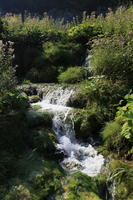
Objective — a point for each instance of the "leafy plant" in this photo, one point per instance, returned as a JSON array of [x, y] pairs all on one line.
[[7, 72], [125, 114], [112, 57], [72, 75]]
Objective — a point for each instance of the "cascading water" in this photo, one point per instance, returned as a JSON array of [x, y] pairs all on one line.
[[78, 156]]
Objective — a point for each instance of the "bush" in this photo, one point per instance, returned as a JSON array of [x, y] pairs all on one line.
[[62, 54], [118, 134], [72, 75], [113, 57], [82, 33], [87, 123], [14, 102], [125, 114], [111, 137], [47, 74], [104, 93], [7, 72]]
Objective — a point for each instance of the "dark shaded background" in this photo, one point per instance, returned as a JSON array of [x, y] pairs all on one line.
[[41, 6]]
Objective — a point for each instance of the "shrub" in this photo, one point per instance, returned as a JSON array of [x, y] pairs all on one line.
[[14, 102], [113, 57], [72, 75], [111, 137], [118, 134], [62, 54], [82, 33], [125, 114], [87, 123], [104, 93], [47, 74], [7, 72]]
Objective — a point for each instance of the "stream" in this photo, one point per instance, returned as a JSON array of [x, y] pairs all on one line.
[[78, 156]]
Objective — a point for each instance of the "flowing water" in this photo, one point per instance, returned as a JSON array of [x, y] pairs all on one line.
[[77, 156]]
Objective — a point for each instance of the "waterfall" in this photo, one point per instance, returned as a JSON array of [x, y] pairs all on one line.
[[77, 156], [87, 63]]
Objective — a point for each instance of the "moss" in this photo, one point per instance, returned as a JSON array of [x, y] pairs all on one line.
[[87, 122], [89, 196], [72, 75], [78, 186], [34, 99], [38, 118], [44, 141], [48, 180]]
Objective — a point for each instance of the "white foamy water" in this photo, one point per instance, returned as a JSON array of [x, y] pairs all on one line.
[[78, 156]]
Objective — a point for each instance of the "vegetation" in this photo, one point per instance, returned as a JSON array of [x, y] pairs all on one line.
[[49, 51], [72, 75], [118, 134]]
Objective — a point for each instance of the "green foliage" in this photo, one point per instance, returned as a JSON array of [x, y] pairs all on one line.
[[105, 93], [19, 192], [62, 53], [80, 186], [7, 72], [38, 118], [83, 32], [13, 102], [88, 122], [34, 99], [26, 82], [72, 75], [125, 114], [111, 127], [44, 142], [46, 74], [112, 57], [118, 134], [112, 138], [122, 174], [114, 23], [48, 181]]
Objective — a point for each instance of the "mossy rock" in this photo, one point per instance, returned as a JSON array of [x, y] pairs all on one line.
[[34, 99], [39, 119], [48, 180], [89, 196], [78, 100], [80, 187], [44, 142], [86, 124]]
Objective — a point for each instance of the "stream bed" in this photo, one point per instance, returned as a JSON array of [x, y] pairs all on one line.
[[78, 156]]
